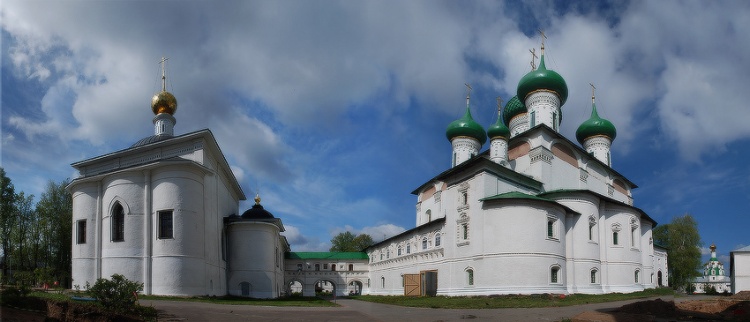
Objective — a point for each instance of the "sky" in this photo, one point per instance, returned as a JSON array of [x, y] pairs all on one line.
[[335, 111]]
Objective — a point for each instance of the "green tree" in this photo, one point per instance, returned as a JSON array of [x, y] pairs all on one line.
[[683, 243], [7, 217], [348, 242], [55, 209]]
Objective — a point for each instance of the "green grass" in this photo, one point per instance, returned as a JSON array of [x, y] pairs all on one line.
[[235, 300], [510, 301]]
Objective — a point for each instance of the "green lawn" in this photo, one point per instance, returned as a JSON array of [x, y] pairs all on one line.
[[509, 301]]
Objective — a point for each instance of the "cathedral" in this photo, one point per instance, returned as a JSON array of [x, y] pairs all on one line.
[[535, 213], [714, 276]]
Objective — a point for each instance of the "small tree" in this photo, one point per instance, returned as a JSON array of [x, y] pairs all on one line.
[[117, 293], [347, 242]]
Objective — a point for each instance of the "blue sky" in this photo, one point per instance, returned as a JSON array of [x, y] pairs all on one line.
[[336, 110]]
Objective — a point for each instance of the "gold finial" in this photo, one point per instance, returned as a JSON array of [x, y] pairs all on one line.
[[533, 58], [257, 199], [593, 88], [468, 93], [163, 102], [541, 32]]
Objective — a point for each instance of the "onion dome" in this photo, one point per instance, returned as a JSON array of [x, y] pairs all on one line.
[[163, 102], [466, 126], [543, 79], [512, 108], [595, 126], [257, 211], [498, 129]]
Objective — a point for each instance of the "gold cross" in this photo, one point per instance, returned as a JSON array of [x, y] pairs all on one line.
[[543, 38], [468, 89], [499, 105], [593, 88], [533, 58], [163, 63]]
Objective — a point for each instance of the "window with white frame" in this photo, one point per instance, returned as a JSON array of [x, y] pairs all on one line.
[[552, 229], [592, 227], [470, 276], [424, 243], [616, 234], [635, 277], [437, 240], [554, 274]]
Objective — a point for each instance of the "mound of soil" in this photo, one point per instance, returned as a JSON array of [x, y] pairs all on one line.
[[725, 309]]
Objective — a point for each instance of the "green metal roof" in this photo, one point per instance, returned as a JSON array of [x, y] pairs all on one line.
[[543, 78], [466, 126], [516, 195], [512, 108], [594, 126], [498, 129], [326, 255]]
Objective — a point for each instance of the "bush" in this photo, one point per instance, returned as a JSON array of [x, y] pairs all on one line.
[[117, 293]]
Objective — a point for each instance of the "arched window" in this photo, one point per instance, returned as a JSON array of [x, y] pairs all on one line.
[[592, 224], [424, 243], [428, 215], [408, 248], [465, 229], [593, 276], [118, 223], [437, 240], [399, 251], [382, 281], [635, 277], [351, 267], [470, 276], [615, 237], [317, 267]]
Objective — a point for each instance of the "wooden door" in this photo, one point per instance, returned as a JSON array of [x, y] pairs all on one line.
[[411, 285]]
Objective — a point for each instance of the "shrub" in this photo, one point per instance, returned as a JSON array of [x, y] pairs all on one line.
[[117, 293]]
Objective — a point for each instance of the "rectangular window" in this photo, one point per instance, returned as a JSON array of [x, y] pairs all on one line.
[[471, 276], [465, 228], [553, 275], [299, 267], [615, 240], [165, 225], [325, 266], [81, 232], [533, 118]]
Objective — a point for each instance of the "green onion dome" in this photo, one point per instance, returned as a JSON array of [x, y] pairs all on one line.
[[595, 126], [512, 108], [543, 79], [466, 126], [498, 129]]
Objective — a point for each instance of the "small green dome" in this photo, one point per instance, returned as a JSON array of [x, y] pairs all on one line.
[[543, 78], [498, 129], [512, 108], [466, 126], [594, 126]]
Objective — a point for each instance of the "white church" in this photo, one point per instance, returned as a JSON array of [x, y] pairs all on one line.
[[536, 213]]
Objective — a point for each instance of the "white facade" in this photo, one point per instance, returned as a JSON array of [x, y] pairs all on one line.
[[123, 202], [739, 265], [564, 224]]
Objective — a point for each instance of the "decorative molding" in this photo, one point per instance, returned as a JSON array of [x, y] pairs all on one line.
[[541, 153], [584, 175]]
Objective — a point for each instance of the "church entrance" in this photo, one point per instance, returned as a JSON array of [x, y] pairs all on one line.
[[422, 284], [658, 277], [412, 285]]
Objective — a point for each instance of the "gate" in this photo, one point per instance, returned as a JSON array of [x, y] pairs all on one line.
[[412, 286]]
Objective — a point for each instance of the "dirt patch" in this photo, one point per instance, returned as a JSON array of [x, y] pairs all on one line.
[[744, 296], [726, 309]]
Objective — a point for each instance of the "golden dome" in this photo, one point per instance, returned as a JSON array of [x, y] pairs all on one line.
[[164, 102]]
